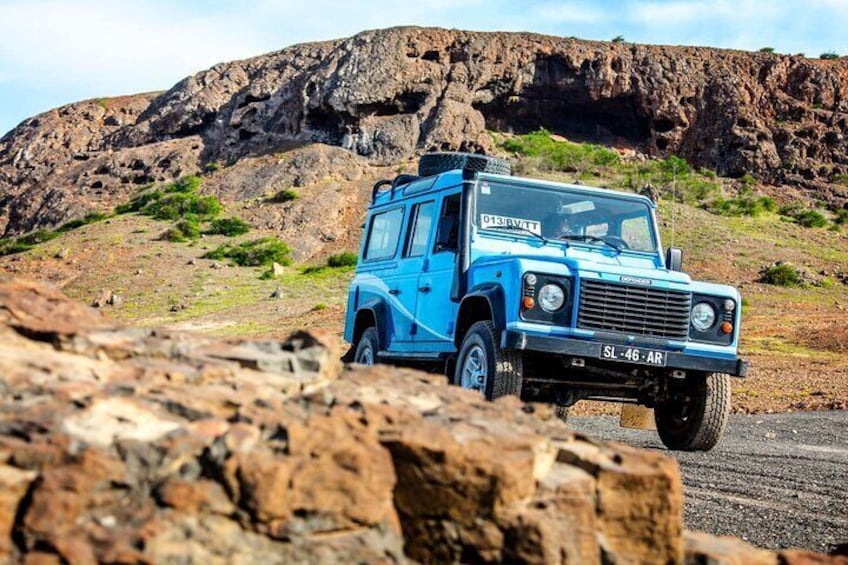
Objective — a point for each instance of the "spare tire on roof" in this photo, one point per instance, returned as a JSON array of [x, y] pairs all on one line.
[[436, 163]]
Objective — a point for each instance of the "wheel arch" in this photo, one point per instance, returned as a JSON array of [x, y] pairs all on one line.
[[370, 314], [483, 302]]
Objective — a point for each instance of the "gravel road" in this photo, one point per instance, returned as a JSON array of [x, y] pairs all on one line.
[[775, 480]]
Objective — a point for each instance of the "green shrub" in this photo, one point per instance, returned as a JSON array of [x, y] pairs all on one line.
[[841, 217], [803, 216], [781, 274], [229, 227], [12, 246], [285, 195], [841, 178], [811, 219], [345, 259], [675, 166], [184, 185], [212, 167], [263, 251], [747, 205], [560, 155], [184, 230], [36, 237], [320, 306], [618, 39], [89, 218], [829, 55], [767, 50], [138, 203], [176, 205]]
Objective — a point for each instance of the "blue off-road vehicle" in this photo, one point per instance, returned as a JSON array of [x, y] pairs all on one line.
[[547, 291]]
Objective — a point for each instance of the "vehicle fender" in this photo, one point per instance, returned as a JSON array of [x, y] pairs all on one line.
[[493, 296], [372, 308]]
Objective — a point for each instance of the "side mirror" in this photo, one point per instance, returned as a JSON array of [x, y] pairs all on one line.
[[674, 259], [446, 235]]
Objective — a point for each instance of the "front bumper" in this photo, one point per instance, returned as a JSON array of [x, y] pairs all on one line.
[[511, 339]]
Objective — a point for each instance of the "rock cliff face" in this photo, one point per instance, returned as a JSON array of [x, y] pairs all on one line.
[[384, 95], [139, 446]]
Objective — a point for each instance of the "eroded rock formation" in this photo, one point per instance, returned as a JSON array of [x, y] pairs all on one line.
[[384, 95], [137, 446]]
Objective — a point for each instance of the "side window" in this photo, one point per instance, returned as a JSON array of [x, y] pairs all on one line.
[[384, 234], [447, 236], [420, 229]]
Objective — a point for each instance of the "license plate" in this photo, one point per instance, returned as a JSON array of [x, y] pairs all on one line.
[[626, 354]]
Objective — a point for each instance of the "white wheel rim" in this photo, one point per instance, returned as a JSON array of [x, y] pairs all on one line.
[[366, 357], [474, 369]]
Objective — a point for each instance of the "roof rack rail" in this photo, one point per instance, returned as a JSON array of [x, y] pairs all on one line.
[[399, 180]]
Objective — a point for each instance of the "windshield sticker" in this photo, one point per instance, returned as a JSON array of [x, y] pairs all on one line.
[[491, 220], [485, 188]]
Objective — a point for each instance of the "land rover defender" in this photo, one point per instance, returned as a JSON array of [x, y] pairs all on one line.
[[551, 292]]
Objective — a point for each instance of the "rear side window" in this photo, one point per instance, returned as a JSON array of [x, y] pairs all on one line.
[[384, 234], [423, 214]]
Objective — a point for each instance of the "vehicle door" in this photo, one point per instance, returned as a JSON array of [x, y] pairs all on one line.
[[381, 274], [435, 313], [402, 286]]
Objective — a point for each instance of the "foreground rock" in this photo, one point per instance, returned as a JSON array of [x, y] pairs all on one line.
[[381, 96], [137, 446]]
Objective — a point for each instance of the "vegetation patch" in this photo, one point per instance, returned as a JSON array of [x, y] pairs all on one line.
[[781, 274], [804, 216], [344, 259], [187, 229], [228, 226], [747, 204], [254, 253], [554, 155], [285, 195], [173, 202], [89, 218]]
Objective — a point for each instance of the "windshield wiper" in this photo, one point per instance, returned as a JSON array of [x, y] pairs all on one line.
[[586, 237], [517, 228]]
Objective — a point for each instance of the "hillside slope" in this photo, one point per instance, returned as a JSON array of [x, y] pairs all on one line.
[[383, 95]]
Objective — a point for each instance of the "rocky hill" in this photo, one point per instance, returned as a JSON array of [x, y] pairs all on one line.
[[381, 96], [139, 446]]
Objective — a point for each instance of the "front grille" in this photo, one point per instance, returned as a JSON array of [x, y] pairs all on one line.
[[639, 310]]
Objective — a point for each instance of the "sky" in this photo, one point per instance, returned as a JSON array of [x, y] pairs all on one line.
[[53, 52]]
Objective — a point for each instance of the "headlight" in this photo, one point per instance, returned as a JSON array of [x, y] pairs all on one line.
[[703, 316], [551, 298]]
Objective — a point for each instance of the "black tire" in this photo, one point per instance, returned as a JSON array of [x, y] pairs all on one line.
[[504, 369], [561, 412], [437, 163], [367, 347], [695, 419]]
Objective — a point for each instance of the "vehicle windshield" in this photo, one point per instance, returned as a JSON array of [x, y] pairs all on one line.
[[565, 215]]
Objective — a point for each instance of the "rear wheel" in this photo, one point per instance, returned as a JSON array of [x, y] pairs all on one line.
[[483, 366], [696, 415], [561, 412], [367, 348]]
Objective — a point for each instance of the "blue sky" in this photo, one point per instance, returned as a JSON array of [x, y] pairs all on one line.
[[58, 51]]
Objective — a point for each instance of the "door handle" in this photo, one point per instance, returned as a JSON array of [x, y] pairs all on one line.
[[394, 291], [425, 288]]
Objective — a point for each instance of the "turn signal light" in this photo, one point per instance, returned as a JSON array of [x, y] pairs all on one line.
[[528, 303], [727, 327]]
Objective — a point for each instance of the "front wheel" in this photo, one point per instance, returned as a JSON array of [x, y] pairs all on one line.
[[695, 416], [483, 366], [367, 348]]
